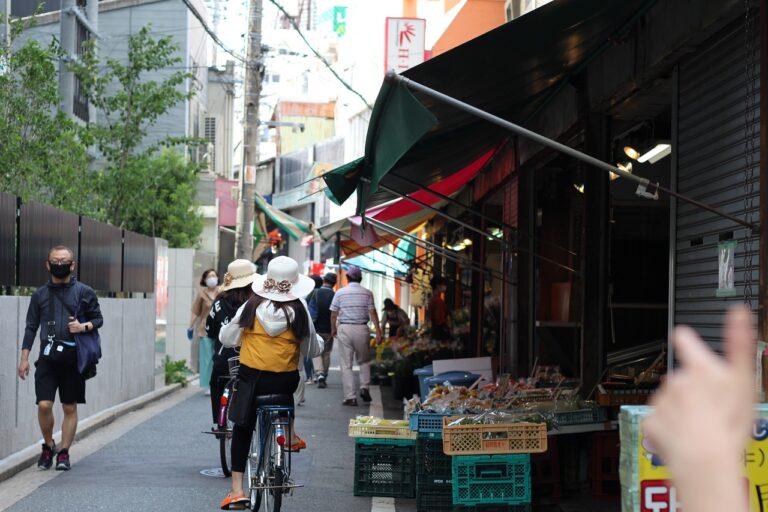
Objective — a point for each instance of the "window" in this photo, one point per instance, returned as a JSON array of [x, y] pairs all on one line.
[[210, 136]]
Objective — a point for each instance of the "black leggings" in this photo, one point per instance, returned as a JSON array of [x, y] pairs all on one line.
[[266, 383]]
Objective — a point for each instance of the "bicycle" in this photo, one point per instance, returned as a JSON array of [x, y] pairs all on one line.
[[268, 468], [224, 426]]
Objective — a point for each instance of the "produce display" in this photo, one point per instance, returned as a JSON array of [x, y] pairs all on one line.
[[372, 421]]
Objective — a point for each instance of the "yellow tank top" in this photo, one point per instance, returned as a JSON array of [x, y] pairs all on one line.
[[261, 351]]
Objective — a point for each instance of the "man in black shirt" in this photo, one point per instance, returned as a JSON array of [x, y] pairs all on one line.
[[320, 304], [52, 309]]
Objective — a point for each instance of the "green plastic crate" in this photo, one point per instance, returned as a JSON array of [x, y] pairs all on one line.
[[492, 479], [374, 441], [385, 468]]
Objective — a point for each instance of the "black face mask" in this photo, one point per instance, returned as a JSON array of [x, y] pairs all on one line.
[[60, 271]]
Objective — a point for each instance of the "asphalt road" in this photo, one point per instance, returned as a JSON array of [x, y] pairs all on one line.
[[156, 464]]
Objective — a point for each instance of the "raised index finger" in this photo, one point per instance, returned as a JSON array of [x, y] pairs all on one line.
[[740, 341]]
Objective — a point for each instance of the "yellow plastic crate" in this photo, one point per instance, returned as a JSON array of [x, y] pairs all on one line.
[[499, 438], [384, 430]]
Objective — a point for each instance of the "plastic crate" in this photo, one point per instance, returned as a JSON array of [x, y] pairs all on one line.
[[433, 467], [421, 421], [594, 415], [492, 480], [385, 467], [380, 431], [499, 438], [443, 502]]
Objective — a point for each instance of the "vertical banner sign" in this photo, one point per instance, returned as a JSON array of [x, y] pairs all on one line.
[[405, 43], [249, 176], [658, 494], [340, 20], [726, 261]]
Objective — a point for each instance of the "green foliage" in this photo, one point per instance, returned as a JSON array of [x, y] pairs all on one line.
[[176, 372], [42, 157], [167, 208], [140, 189]]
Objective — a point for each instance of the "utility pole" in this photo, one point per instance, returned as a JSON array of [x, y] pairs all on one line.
[[7, 25], [253, 76]]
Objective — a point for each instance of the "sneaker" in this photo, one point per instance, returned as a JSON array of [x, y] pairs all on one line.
[[365, 395], [62, 461], [350, 401], [46, 458], [309, 382], [321, 382]]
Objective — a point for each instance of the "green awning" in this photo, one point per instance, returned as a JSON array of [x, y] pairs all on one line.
[[291, 225], [511, 72], [398, 121]]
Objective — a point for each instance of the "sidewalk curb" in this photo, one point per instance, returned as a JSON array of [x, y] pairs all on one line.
[[21, 460]]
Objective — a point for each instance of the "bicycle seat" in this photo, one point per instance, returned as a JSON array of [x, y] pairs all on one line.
[[281, 399]]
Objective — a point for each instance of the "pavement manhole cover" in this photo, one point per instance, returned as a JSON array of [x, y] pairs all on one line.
[[213, 472]]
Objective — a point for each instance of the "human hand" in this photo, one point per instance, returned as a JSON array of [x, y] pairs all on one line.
[[378, 338], [74, 326], [23, 369], [704, 413], [190, 333]]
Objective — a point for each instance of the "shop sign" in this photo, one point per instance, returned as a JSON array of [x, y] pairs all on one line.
[[405, 43], [658, 494]]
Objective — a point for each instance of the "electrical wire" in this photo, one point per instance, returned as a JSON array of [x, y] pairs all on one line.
[[317, 54], [211, 33]]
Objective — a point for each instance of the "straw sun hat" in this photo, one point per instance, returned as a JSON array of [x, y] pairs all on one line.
[[283, 282], [239, 273]]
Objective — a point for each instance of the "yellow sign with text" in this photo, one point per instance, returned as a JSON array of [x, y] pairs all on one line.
[[657, 494]]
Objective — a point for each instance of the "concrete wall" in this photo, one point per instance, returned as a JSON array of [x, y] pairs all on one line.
[[126, 369], [181, 292]]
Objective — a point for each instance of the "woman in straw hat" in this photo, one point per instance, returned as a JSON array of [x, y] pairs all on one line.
[[274, 332], [234, 292]]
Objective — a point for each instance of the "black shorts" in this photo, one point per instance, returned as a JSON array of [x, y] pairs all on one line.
[[49, 377]]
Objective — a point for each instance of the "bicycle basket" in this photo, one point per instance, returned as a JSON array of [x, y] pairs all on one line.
[[234, 365]]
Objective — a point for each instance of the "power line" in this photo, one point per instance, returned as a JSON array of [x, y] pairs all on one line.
[[211, 33], [317, 54]]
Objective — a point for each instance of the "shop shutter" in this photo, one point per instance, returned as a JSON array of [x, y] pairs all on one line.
[[712, 159]]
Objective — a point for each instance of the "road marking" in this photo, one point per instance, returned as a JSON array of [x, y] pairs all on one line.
[[26, 482], [383, 505]]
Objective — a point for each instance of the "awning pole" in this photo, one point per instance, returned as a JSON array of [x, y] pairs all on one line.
[[473, 211], [429, 246], [644, 182], [476, 230]]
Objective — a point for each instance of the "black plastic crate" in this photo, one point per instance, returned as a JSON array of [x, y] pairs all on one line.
[[385, 468], [433, 468]]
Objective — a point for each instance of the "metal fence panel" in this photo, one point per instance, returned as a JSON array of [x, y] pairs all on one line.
[[101, 255], [226, 249], [43, 227], [7, 240], [138, 263]]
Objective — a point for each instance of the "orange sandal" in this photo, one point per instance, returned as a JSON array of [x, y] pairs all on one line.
[[235, 502], [300, 445]]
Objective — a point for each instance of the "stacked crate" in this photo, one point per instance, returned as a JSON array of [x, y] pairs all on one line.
[[385, 461]]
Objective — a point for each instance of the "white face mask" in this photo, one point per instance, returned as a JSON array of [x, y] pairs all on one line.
[[211, 282]]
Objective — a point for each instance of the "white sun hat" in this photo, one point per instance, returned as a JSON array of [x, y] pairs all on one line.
[[283, 282], [239, 273]]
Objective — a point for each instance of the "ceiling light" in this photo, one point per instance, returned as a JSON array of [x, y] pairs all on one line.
[[656, 154], [467, 241], [497, 232], [631, 152], [580, 188], [626, 167]]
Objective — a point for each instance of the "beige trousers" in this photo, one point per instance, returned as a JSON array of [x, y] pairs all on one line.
[[323, 361], [354, 343]]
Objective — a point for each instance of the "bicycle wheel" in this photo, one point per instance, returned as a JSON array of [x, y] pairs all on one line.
[[225, 450], [251, 473], [271, 476]]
